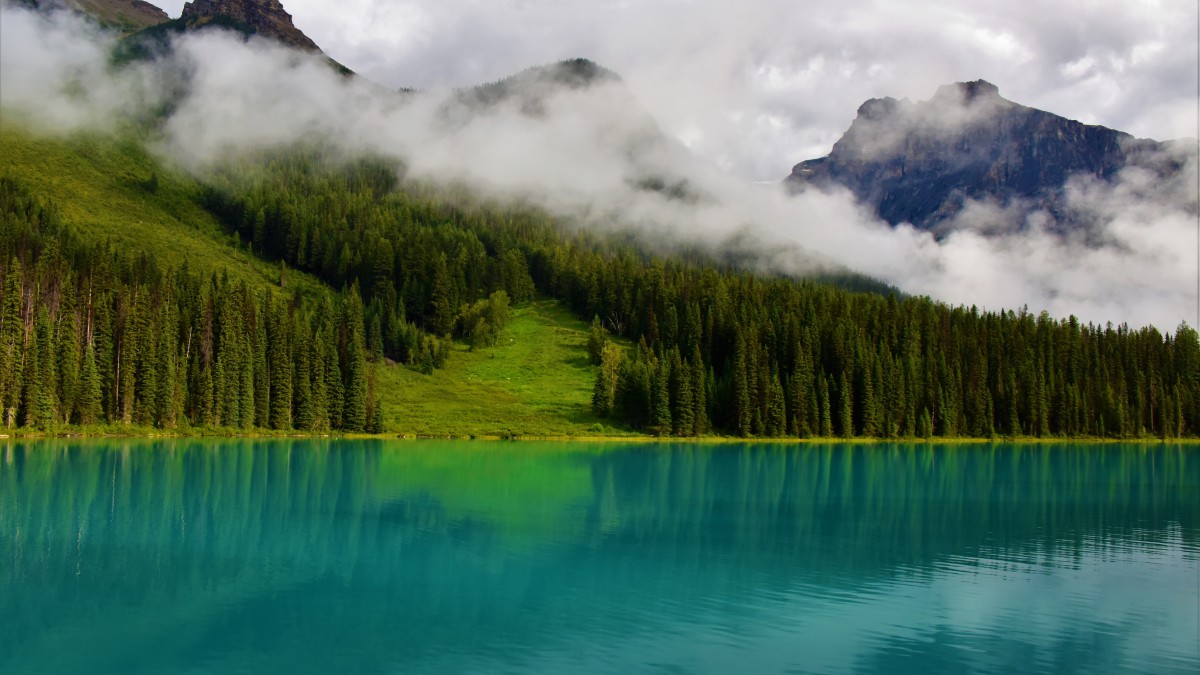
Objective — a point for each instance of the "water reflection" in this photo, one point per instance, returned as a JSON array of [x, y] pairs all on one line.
[[321, 556]]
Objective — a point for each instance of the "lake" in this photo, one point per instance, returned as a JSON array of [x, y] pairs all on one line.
[[479, 557]]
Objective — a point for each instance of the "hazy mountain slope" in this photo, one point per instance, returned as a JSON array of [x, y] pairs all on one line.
[[114, 191], [125, 16], [261, 18], [266, 17], [922, 162]]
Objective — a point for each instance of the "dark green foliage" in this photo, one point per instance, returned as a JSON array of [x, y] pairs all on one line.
[[354, 363], [279, 361], [597, 338], [91, 336], [480, 324], [89, 389], [719, 349]]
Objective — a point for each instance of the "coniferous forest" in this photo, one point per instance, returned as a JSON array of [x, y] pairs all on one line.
[[683, 343]]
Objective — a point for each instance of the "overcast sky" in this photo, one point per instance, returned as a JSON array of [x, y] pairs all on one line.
[[759, 85]]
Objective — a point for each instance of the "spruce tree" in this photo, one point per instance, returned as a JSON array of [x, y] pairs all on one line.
[[67, 353], [826, 409], [305, 411], [700, 420], [334, 389], [742, 413], [776, 423], [684, 400], [354, 411], [262, 380], [11, 341], [279, 358], [89, 388], [661, 400]]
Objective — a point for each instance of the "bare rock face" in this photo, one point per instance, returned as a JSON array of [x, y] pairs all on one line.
[[263, 17], [922, 162]]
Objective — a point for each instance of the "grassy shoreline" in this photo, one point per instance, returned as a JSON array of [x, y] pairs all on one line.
[[134, 432]]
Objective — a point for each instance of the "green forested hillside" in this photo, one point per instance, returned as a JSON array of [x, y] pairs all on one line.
[[113, 190], [718, 349], [424, 277]]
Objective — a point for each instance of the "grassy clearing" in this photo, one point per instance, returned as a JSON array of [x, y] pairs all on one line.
[[113, 190], [536, 382]]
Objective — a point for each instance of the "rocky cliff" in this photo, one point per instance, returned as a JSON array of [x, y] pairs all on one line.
[[263, 17], [922, 162]]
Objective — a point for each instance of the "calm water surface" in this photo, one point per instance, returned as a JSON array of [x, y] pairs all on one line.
[[373, 557]]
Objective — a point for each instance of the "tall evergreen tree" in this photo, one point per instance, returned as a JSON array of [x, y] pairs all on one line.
[[89, 388], [354, 411]]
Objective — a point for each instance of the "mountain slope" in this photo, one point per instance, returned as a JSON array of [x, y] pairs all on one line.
[[125, 16], [114, 191], [922, 162], [262, 18]]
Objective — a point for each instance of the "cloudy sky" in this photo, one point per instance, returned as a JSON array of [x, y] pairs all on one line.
[[758, 85]]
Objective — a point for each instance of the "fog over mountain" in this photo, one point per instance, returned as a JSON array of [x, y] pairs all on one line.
[[757, 86], [1137, 266]]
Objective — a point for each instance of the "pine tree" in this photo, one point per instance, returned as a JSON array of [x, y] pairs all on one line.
[[661, 400], [683, 397], [316, 375], [262, 379], [67, 353], [741, 393], [825, 407], [334, 390], [11, 342], [376, 424], [604, 392], [306, 414], [354, 411], [126, 368], [699, 392], [597, 338], [279, 360], [145, 367], [246, 406], [442, 311], [89, 389], [776, 408], [845, 408]]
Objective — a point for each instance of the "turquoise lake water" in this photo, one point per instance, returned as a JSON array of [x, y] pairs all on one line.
[[474, 557]]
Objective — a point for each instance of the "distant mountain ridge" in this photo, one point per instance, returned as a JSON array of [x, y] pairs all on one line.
[[920, 163]]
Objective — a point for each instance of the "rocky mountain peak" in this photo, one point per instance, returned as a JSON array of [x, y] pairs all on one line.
[[967, 92], [922, 162], [265, 17]]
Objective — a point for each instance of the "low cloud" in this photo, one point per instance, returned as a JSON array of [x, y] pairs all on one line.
[[756, 90], [1138, 265]]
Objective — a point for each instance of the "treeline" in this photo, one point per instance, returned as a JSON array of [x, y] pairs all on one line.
[[422, 266], [717, 349], [89, 335], [773, 358]]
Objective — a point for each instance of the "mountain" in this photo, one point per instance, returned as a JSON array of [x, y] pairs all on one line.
[[532, 86], [262, 17], [125, 16], [921, 163]]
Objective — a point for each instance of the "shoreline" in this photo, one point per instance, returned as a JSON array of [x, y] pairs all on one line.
[[231, 434]]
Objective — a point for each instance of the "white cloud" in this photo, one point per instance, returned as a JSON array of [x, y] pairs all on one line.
[[694, 63]]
